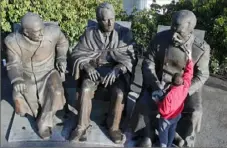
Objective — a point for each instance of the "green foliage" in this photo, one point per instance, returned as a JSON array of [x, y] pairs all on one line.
[[223, 68], [214, 65], [72, 15], [211, 17], [143, 27]]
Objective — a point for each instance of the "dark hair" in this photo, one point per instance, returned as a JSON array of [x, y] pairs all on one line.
[[177, 79]]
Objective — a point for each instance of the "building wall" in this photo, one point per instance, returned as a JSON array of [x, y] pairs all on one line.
[[130, 4], [142, 4]]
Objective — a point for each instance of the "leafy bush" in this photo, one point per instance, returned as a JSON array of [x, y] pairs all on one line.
[[211, 17], [143, 27], [72, 15]]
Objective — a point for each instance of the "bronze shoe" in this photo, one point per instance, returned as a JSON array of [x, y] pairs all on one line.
[[86, 133], [145, 142], [80, 134], [45, 133], [116, 136], [178, 141], [190, 141]]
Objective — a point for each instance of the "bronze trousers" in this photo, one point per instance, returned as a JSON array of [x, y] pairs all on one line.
[[117, 102], [144, 119]]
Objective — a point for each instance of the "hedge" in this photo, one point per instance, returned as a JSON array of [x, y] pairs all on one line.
[[72, 16], [211, 17]]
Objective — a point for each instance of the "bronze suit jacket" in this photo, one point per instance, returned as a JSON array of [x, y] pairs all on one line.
[[163, 60]]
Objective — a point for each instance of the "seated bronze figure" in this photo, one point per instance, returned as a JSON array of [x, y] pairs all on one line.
[[166, 56], [33, 54], [103, 57]]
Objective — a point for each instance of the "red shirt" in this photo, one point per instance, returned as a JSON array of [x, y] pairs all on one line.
[[173, 103]]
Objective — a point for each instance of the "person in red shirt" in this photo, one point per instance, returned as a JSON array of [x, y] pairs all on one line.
[[172, 104]]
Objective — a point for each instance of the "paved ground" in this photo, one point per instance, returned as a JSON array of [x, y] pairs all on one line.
[[213, 132], [214, 129]]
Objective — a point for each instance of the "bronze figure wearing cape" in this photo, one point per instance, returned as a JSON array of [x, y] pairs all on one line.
[[103, 57]]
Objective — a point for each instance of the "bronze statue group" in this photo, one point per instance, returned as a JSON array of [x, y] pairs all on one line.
[[174, 70]]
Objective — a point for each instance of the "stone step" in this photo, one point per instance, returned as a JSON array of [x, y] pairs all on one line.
[[23, 128]]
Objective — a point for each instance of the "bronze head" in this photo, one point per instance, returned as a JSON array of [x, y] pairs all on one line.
[[32, 26], [183, 24], [105, 16]]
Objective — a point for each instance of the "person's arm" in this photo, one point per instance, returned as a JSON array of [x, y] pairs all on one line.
[[82, 43], [188, 74], [164, 106], [150, 78], [180, 92], [157, 95], [201, 71], [62, 47], [128, 43], [122, 69], [14, 64], [82, 54]]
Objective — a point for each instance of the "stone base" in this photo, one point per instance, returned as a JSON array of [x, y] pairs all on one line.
[[24, 129], [98, 136]]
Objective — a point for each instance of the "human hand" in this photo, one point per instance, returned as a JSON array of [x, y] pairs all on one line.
[[189, 54], [92, 72], [111, 77], [19, 86], [61, 66], [156, 95], [188, 45]]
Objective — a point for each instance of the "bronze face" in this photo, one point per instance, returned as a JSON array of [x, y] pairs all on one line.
[[107, 20], [181, 32], [35, 33]]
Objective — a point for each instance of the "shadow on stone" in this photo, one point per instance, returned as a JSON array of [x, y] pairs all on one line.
[[6, 89], [69, 125], [9, 127], [184, 122], [213, 82], [32, 123]]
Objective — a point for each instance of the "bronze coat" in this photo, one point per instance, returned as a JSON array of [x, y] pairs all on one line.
[[164, 60], [34, 63], [92, 44]]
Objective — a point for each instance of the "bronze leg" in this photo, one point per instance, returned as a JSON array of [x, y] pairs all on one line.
[[85, 106], [54, 101], [193, 106], [22, 107], [116, 107], [143, 120], [17, 106], [117, 104]]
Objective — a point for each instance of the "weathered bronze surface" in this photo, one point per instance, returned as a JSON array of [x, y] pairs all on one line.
[[166, 56], [36, 56], [103, 57]]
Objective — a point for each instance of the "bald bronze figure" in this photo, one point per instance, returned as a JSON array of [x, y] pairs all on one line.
[[36, 55], [103, 57], [166, 56]]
